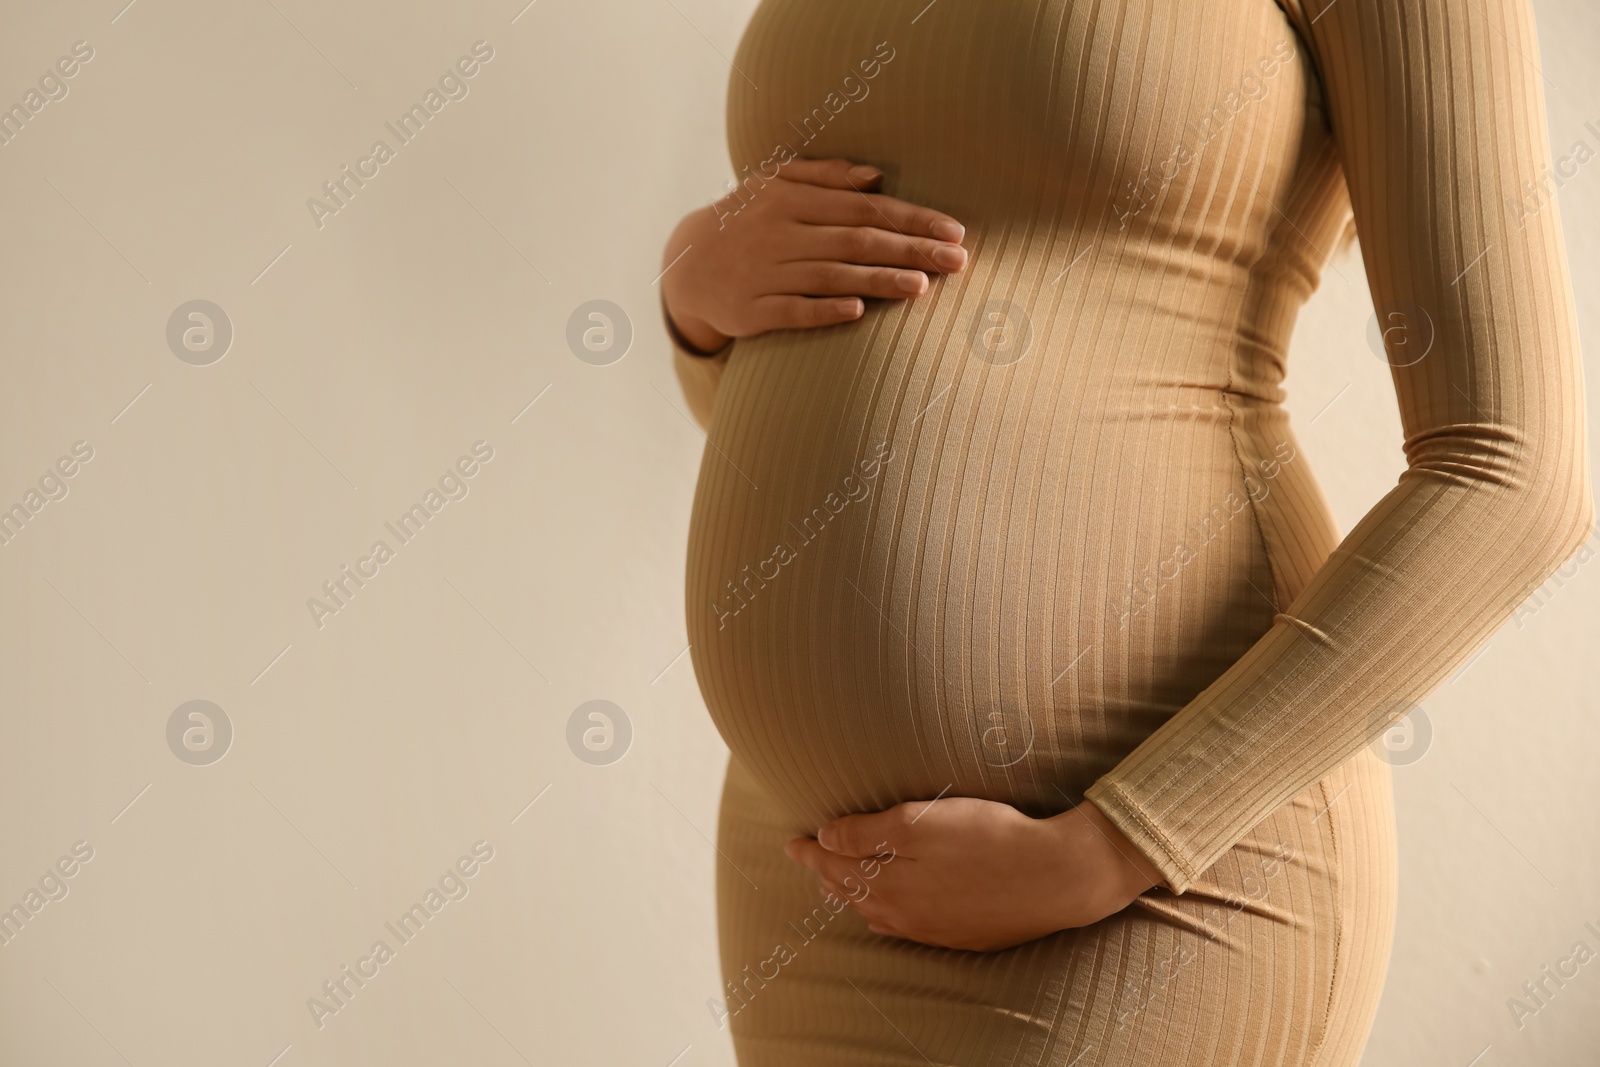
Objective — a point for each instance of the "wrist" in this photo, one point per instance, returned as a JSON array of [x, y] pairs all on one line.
[[1140, 872], [1095, 870]]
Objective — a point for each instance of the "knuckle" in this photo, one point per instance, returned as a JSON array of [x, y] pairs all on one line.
[[750, 318], [828, 277], [883, 249], [767, 318], [858, 242]]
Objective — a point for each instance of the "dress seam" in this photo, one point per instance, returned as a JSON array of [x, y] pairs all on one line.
[[1338, 923], [1255, 507], [1294, 15]]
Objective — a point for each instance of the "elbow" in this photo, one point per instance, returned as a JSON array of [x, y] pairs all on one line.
[[1536, 485], [1557, 518], [1575, 533]]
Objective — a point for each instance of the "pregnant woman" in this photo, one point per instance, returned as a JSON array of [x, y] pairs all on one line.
[[1048, 681]]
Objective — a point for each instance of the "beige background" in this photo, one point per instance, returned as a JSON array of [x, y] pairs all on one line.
[[425, 716]]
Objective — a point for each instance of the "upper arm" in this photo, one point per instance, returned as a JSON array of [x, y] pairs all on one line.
[[1438, 112]]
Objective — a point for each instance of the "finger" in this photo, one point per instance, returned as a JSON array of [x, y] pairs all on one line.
[[830, 888], [807, 852], [861, 836], [859, 894], [797, 852], [831, 173], [827, 888], [877, 247], [824, 278], [826, 885], [804, 312], [835, 207], [839, 875]]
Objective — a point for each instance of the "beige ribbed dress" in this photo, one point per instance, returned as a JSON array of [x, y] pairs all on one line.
[[1045, 533]]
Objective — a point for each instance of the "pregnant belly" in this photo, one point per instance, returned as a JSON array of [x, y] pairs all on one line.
[[914, 571]]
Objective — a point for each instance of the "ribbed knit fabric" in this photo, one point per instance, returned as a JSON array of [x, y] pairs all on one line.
[[1045, 533]]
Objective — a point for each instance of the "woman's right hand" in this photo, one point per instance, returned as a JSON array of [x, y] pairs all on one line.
[[800, 251]]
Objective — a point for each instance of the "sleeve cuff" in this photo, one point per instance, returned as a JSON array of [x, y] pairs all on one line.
[[1146, 836]]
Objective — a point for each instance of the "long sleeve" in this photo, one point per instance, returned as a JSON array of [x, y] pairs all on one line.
[[1438, 113], [698, 373]]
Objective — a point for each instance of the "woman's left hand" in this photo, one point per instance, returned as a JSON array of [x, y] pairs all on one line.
[[976, 874]]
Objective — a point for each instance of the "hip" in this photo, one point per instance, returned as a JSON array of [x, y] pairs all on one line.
[[1276, 955]]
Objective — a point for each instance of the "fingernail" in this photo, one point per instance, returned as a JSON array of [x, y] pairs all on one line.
[[850, 307], [864, 173], [911, 281], [948, 230], [950, 257], [825, 837]]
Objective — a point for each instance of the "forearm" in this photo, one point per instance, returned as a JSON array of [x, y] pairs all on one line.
[[1439, 119], [1422, 581]]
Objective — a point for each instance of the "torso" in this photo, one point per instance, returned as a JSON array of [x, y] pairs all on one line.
[[1083, 508], [921, 566]]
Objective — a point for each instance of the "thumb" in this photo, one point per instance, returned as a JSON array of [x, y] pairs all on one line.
[[859, 836], [831, 173]]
